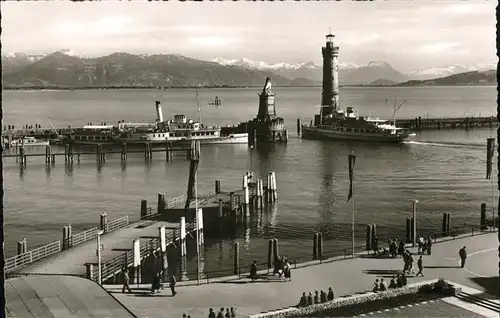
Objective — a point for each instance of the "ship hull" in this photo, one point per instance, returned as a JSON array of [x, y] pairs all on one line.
[[318, 133]]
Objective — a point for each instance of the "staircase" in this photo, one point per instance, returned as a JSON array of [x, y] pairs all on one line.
[[490, 304]]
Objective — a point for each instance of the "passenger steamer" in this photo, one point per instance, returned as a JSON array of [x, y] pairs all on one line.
[[334, 123]]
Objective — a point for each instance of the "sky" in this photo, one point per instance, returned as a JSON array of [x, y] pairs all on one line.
[[409, 35]]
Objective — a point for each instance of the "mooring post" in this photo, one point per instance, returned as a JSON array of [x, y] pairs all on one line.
[[270, 250], [199, 225], [368, 245], [220, 217], [144, 209], [47, 154], [65, 238], [161, 203], [320, 246], [217, 186], [70, 236], [163, 251], [104, 222], [236, 258], [20, 247], [483, 216], [25, 245], [276, 254], [89, 271], [448, 223], [299, 127], [275, 186], [137, 261], [315, 246], [274, 136], [182, 238]]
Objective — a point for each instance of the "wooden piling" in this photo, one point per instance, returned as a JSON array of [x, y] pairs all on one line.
[[448, 223], [161, 203], [369, 229], [217, 186], [123, 152], [20, 247], [70, 236], [144, 208], [315, 246], [163, 251], [182, 239], [483, 216], [137, 261], [25, 245], [276, 254], [270, 251], [412, 230], [320, 246], [47, 154], [104, 222], [66, 152], [374, 230], [65, 238], [299, 127], [236, 258], [444, 223]]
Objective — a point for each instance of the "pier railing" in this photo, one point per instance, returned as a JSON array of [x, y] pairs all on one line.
[[117, 224], [21, 260], [115, 265], [84, 236]]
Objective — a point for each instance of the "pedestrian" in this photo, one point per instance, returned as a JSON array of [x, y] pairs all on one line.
[[227, 315], [330, 295], [277, 266], [403, 279], [375, 245], [401, 248], [394, 248], [429, 245], [310, 299], [399, 280], [211, 313], [184, 316], [420, 245], [316, 297], [253, 271], [288, 271], [393, 283], [282, 266], [382, 287], [420, 266], [221, 313], [155, 286], [375, 286], [303, 300], [406, 261], [463, 256], [126, 279], [322, 296], [233, 312], [172, 285]]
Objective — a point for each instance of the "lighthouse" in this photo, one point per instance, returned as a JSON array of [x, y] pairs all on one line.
[[330, 91]]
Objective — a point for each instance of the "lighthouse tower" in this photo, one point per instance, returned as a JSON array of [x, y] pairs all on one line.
[[330, 93]]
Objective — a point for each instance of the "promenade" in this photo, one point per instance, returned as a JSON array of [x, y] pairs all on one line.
[[345, 277]]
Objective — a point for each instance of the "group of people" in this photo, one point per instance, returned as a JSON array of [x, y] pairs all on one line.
[[399, 280], [319, 297], [424, 245], [393, 251], [408, 267], [230, 313], [282, 268], [156, 286]]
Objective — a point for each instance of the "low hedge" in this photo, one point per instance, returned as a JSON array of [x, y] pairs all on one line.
[[370, 301]]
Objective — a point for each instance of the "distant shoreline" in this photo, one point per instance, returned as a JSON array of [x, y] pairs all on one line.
[[35, 88]]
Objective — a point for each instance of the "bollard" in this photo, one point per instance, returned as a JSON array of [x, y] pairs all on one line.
[[104, 222], [65, 238], [320, 246], [144, 208], [448, 223], [236, 258], [217, 186], [369, 230], [483, 216], [161, 203], [182, 239], [444, 224], [20, 247], [270, 250], [408, 230], [70, 236], [315, 246], [276, 254], [137, 261]]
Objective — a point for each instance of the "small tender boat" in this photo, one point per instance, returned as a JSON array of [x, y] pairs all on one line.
[[29, 141]]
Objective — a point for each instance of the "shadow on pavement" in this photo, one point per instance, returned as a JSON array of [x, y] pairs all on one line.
[[490, 284], [383, 271], [442, 266]]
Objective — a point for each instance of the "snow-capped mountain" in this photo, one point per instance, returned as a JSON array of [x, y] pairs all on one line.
[[447, 70]]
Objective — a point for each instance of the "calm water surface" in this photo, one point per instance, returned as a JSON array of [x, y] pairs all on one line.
[[444, 170]]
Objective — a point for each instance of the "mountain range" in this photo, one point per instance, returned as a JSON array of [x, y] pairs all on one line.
[[67, 69]]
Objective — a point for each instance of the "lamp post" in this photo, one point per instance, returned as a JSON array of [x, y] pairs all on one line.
[[99, 273], [414, 232]]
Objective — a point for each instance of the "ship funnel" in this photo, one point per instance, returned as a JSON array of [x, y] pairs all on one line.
[[159, 113]]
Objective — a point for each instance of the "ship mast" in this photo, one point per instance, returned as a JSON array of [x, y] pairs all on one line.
[[396, 108], [198, 105]]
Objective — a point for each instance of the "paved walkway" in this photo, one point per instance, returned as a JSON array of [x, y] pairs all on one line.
[[346, 277], [73, 261]]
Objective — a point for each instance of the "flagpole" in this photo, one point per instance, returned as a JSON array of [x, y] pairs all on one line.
[[352, 198], [197, 221]]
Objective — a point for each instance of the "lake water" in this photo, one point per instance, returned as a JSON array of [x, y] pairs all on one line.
[[444, 170]]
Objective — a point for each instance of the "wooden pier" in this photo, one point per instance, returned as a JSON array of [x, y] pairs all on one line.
[[69, 155], [420, 123]]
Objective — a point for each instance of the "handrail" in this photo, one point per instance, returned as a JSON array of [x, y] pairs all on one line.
[[18, 261], [117, 224], [84, 236]]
